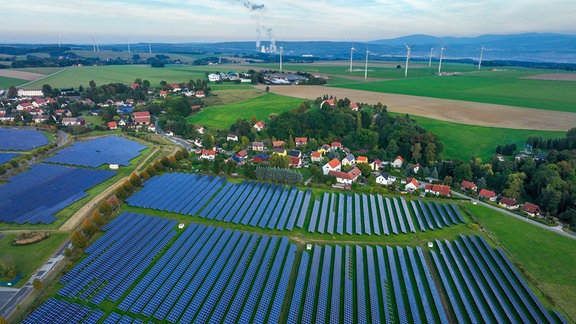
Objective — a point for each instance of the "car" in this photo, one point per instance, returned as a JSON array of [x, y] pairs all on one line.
[[474, 202]]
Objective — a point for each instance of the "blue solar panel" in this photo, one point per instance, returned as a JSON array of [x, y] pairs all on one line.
[[314, 217], [407, 214], [340, 222], [383, 218], [323, 212], [372, 289], [349, 215], [357, 215], [391, 216], [295, 210], [254, 202], [336, 286], [399, 216], [331, 214], [412, 303], [293, 314], [401, 309], [21, 139], [430, 223], [448, 288], [432, 286], [384, 292], [282, 200], [282, 287], [420, 285], [5, 157], [366, 215], [309, 301], [304, 209], [290, 204], [323, 291], [418, 217], [373, 206], [348, 286]]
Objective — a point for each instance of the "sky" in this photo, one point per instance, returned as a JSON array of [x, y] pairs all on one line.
[[177, 21]]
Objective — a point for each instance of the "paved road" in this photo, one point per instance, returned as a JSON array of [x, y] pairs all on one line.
[[173, 139]]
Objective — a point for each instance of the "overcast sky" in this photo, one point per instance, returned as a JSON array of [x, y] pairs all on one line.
[[120, 21]]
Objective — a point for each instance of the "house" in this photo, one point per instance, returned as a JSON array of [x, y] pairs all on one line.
[[213, 77], [385, 179], [508, 203], [346, 177], [487, 194], [541, 157], [531, 209], [336, 145], [329, 102], [324, 148], [232, 137], [500, 157], [280, 150], [354, 106], [295, 162], [112, 125], [142, 118], [411, 184], [30, 93], [163, 93], [200, 94], [39, 103], [349, 160], [416, 167], [333, 165], [362, 159], [376, 165], [199, 129], [468, 185], [260, 126], [70, 121], [316, 156], [261, 158], [242, 154], [277, 143], [398, 161], [438, 190], [257, 146], [295, 153], [301, 141], [24, 106], [208, 154], [522, 156], [175, 87]]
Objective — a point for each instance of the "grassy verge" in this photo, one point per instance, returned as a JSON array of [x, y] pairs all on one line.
[[548, 258]]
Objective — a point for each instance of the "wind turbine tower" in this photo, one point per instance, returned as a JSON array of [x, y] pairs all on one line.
[[128, 41], [352, 49], [442, 49], [366, 66], [59, 40], [480, 60], [430, 60], [408, 49], [149, 47]]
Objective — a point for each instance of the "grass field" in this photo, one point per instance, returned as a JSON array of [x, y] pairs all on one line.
[[488, 87], [467, 141], [548, 257], [222, 117], [76, 76], [29, 258], [6, 82]]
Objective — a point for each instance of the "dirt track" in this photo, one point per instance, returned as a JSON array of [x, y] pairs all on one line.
[[29, 76], [463, 112]]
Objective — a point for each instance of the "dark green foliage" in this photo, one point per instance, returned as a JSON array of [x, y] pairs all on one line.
[[278, 175]]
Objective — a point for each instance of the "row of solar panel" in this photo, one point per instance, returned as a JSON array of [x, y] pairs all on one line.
[[36, 195], [99, 151], [365, 298], [183, 193], [372, 214], [61, 311], [212, 274], [486, 284], [21, 139]]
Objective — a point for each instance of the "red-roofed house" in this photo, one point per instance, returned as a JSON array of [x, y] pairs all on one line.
[[260, 125], [112, 125], [361, 159], [411, 184], [295, 162], [336, 145], [330, 103], [277, 143], [490, 195], [468, 185], [163, 93], [531, 209], [346, 177], [257, 146], [301, 141], [353, 106], [508, 203], [316, 156], [398, 161], [142, 118], [376, 165], [333, 165], [24, 106], [200, 94], [438, 190], [208, 154]]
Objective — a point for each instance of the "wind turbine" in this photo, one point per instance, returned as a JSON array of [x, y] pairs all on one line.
[[366, 66], [480, 60], [430, 60], [442, 49], [93, 42], [408, 49], [59, 40], [352, 49], [149, 47], [128, 41]]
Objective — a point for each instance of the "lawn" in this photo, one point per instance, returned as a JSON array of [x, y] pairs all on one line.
[[29, 258], [222, 117], [76, 76], [498, 87], [467, 141], [6, 82], [548, 257]]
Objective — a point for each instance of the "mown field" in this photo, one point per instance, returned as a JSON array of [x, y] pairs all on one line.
[[549, 258], [6, 82]]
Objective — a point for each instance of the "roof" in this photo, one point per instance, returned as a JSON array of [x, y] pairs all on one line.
[[508, 201], [259, 124], [531, 208], [257, 144], [277, 143], [301, 139], [487, 193], [295, 160], [336, 144], [208, 152], [140, 114], [440, 189], [350, 175], [242, 153], [362, 159], [399, 158], [316, 154], [468, 184], [350, 157], [112, 124], [334, 163], [412, 181]]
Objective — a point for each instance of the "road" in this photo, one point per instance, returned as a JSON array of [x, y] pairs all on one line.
[[173, 139]]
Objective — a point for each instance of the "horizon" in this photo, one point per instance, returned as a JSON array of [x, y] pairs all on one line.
[[208, 21]]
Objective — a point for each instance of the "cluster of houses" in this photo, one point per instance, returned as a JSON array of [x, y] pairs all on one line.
[[229, 76], [506, 202]]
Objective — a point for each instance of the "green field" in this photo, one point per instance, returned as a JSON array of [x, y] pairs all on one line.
[[466, 141], [487, 87], [222, 117], [548, 257], [76, 76], [6, 82]]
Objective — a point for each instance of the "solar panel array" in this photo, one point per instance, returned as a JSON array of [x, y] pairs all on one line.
[[117, 259], [486, 284], [36, 195], [61, 311], [361, 289], [21, 139], [99, 151], [183, 193], [363, 214], [259, 204], [5, 157]]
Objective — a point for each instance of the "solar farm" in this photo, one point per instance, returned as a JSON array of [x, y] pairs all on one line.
[[5, 157], [99, 151], [152, 272], [21, 139]]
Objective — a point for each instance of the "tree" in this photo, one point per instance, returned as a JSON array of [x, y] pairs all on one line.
[[392, 148], [430, 153], [365, 168], [92, 84], [514, 185], [8, 267], [205, 165], [79, 240], [37, 284], [47, 90], [416, 150], [279, 161], [12, 92], [208, 141], [105, 208], [88, 227], [135, 180], [463, 171], [97, 219]]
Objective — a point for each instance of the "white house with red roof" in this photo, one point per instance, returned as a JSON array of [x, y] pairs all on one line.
[[438, 190], [112, 125], [316, 156], [376, 165], [208, 154], [411, 184], [142, 118], [468, 185], [301, 141], [329, 102], [354, 106], [509, 203], [295, 162], [349, 160], [398, 161], [24, 106], [336, 145], [488, 194], [333, 165], [260, 125], [232, 137], [346, 177], [531, 209], [257, 146], [362, 159], [200, 94]]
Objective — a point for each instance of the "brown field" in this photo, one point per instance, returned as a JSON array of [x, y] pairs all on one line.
[[463, 112], [554, 77], [20, 74]]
